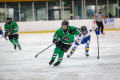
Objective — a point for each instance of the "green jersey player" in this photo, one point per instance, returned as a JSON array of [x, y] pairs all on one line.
[[63, 38], [11, 30]]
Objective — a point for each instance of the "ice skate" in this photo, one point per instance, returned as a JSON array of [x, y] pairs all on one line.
[[51, 62], [15, 47], [86, 55], [20, 48], [56, 64]]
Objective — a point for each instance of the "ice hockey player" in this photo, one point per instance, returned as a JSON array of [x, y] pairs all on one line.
[[84, 38], [11, 30], [63, 38], [1, 33]]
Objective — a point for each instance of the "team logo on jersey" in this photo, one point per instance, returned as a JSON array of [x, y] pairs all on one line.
[[66, 38]]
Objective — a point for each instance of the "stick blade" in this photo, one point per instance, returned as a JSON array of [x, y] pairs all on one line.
[[35, 56], [98, 57]]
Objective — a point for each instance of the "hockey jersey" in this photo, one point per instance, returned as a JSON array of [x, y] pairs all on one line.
[[13, 26], [66, 38], [89, 31]]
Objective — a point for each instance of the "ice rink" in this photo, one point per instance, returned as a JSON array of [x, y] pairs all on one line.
[[21, 65]]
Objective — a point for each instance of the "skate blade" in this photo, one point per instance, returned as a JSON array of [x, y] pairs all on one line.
[[55, 66]]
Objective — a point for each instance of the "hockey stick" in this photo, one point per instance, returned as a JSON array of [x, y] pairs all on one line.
[[44, 50], [3, 37], [98, 45], [48, 47], [51, 45]]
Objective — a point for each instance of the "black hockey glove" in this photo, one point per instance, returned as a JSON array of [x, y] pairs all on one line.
[[55, 41], [72, 31], [6, 35]]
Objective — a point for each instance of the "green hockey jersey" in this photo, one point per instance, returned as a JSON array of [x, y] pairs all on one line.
[[9, 28], [65, 38]]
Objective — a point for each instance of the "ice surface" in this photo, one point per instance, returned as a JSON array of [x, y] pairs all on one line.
[[21, 65]]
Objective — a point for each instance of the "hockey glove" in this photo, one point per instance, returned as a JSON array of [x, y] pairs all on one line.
[[72, 31], [97, 31], [55, 41], [84, 41]]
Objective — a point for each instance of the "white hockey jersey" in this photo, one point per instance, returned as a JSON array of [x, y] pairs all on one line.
[[89, 31]]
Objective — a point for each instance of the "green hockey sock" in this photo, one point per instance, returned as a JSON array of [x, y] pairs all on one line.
[[61, 54], [56, 52], [16, 41], [11, 40]]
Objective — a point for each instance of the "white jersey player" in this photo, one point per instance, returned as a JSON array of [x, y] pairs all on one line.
[[84, 38]]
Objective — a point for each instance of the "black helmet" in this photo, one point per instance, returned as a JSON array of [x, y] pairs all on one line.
[[65, 22], [83, 28], [10, 19]]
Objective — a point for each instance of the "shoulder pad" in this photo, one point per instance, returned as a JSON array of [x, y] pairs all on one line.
[[90, 30], [79, 35]]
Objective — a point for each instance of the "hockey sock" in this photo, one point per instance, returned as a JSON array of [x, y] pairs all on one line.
[[11, 40], [61, 54], [73, 49], [56, 51], [16, 41], [87, 49]]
